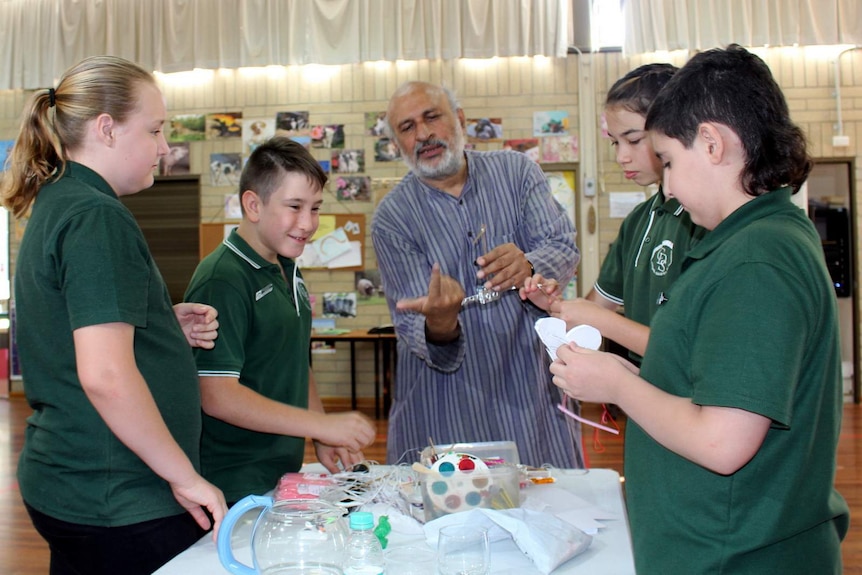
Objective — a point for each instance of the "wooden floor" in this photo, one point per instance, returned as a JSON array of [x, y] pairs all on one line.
[[23, 552]]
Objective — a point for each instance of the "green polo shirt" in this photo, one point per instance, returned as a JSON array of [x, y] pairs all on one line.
[[83, 261], [751, 324], [646, 258], [264, 339]]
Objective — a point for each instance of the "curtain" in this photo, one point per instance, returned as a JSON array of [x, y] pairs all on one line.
[[39, 39], [653, 25]]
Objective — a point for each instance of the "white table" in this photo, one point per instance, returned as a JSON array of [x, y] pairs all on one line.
[[610, 552]]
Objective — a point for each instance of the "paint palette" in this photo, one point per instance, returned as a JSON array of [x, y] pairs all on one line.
[[450, 464], [461, 482]]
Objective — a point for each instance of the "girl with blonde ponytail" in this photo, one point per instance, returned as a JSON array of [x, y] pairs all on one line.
[[110, 467]]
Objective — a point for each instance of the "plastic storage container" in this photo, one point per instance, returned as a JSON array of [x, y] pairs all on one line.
[[491, 451], [363, 553], [497, 487]]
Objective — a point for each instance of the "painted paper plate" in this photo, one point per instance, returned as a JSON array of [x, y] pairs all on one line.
[[461, 482]]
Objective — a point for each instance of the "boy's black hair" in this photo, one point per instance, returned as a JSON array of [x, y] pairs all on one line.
[[268, 163], [636, 90], [735, 88]]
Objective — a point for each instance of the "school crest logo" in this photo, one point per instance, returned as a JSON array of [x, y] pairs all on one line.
[[662, 258], [302, 293]]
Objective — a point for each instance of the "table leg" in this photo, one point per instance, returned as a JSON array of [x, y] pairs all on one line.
[[353, 375], [376, 379], [388, 374]]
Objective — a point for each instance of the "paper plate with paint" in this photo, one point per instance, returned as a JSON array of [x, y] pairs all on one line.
[[459, 482]]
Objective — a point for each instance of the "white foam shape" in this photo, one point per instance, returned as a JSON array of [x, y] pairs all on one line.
[[552, 332], [585, 336]]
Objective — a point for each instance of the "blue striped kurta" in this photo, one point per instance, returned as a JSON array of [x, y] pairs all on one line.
[[493, 383]]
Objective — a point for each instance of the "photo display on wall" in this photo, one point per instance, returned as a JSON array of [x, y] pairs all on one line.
[[224, 125], [554, 123], [225, 169], [292, 124], [176, 161], [187, 128], [256, 131], [375, 123], [353, 188], [348, 161], [484, 129], [331, 136]]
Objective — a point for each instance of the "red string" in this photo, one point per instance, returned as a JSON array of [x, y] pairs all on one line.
[[607, 419]]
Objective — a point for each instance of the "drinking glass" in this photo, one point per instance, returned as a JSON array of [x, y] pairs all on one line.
[[463, 550]]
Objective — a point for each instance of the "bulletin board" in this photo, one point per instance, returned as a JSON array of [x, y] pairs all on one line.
[[212, 234], [340, 234], [339, 243]]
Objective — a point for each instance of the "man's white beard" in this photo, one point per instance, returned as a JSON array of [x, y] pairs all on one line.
[[447, 165]]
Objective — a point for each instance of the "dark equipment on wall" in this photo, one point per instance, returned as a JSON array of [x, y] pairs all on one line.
[[833, 225]]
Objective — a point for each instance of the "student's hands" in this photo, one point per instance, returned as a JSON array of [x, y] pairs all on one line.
[[342, 437], [440, 307], [579, 311], [198, 322], [349, 429], [198, 493], [329, 457], [588, 375], [541, 292], [504, 267]]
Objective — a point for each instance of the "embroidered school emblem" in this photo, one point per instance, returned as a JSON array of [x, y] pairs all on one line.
[[662, 257], [302, 293]]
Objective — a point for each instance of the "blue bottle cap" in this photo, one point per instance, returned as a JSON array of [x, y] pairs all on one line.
[[361, 520]]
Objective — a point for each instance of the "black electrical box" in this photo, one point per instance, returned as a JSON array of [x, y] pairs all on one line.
[[833, 225]]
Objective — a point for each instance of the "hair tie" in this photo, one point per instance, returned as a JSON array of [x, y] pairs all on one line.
[[52, 97]]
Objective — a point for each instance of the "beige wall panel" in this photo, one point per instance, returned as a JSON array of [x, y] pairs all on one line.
[[508, 88]]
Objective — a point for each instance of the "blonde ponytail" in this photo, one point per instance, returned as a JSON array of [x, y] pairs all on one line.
[[54, 123], [35, 157]]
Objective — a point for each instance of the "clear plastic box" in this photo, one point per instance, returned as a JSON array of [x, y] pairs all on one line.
[[493, 452], [497, 487]]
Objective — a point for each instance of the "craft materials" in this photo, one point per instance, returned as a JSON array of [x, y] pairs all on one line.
[[461, 482], [431, 445], [383, 530], [552, 332], [577, 417], [302, 485]]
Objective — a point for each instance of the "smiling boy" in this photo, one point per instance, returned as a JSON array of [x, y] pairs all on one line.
[[258, 393]]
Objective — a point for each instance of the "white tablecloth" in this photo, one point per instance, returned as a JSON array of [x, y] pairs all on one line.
[[610, 552]]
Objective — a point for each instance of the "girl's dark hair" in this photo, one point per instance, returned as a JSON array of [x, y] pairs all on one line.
[[636, 90], [735, 88], [55, 120]]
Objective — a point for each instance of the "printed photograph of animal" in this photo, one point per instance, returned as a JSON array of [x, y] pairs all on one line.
[[484, 129], [176, 161], [376, 123], [292, 123], [224, 125], [225, 169], [348, 161]]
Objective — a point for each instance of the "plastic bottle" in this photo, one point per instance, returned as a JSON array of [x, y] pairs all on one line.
[[364, 554]]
